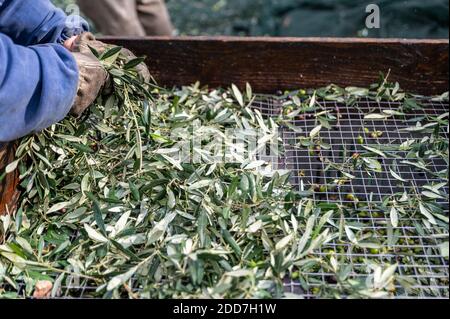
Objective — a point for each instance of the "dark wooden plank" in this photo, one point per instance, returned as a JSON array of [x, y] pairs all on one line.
[[8, 185], [271, 64]]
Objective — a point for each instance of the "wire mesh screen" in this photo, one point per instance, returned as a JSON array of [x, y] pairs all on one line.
[[416, 249], [422, 269]]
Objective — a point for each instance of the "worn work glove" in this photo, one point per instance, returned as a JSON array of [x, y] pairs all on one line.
[[92, 79], [87, 39]]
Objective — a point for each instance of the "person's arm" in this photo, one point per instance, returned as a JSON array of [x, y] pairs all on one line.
[[30, 22], [38, 86]]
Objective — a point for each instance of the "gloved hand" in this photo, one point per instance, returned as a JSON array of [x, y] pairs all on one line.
[[82, 43], [92, 78]]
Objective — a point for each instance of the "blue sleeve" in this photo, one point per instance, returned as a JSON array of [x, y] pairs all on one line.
[[38, 85], [30, 22]]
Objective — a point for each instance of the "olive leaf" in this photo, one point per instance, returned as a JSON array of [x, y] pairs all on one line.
[[57, 207], [12, 166], [397, 176], [394, 216], [315, 131], [238, 95], [375, 151], [444, 249], [121, 279], [95, 235], [375, 116], [160, 228]]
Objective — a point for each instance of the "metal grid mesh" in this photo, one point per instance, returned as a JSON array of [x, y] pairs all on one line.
[[416, 252]]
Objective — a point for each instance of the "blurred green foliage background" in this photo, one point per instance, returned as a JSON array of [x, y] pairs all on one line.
[[399, 18]]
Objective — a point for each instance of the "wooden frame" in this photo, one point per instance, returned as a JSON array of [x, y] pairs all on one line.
[[272, 64]]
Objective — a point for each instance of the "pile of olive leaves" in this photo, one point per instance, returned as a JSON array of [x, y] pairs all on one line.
[[104, 206]]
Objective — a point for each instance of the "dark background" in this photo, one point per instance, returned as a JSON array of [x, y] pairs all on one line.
[[335, 18]]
